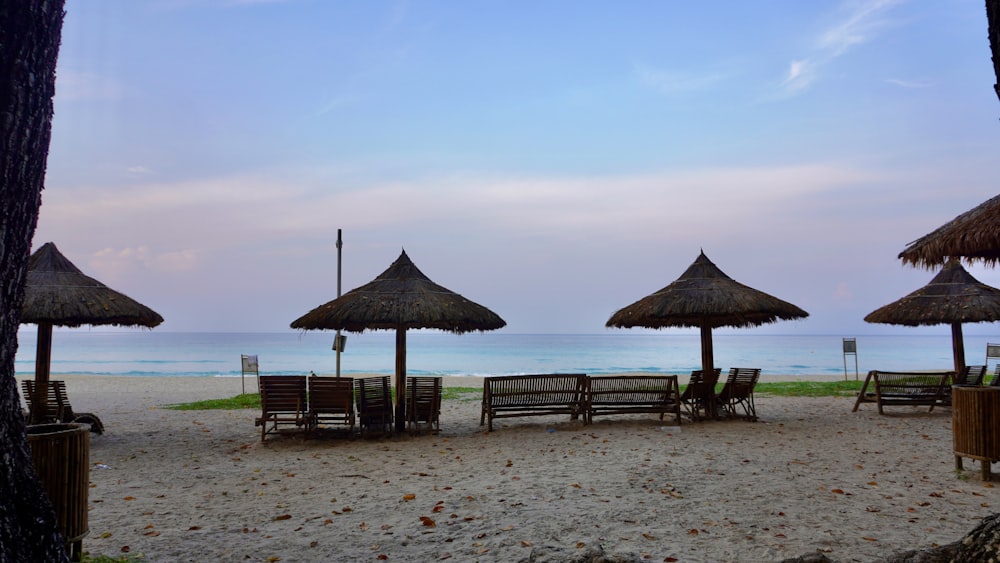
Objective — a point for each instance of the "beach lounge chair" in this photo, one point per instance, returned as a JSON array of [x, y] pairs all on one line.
[[693, 397], [57, 407], [331, 401], [737, 393], [995, 382], [374, 399], [423, 402], [971, 375], [282, 404]]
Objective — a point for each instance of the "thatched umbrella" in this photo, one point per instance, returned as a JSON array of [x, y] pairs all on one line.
[[705, 298], [400, 298], [952, 297], [57, 293], [973, 235]]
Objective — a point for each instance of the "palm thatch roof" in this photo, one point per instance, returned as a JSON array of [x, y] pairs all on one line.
[[400, 297], [973, 235], [703, 296], [952, 296], [58, 293]]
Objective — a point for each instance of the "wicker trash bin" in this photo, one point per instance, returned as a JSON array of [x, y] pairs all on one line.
[[61, 456], [975, 425]]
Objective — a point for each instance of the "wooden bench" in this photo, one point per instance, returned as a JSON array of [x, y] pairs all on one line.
[[282, 403], [627, 394], [533, 395], [894, 388]]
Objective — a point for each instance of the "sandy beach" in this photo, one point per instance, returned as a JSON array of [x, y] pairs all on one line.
[[811, 476]]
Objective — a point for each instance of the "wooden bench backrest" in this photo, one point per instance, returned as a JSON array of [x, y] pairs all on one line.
[[534, 390], [331, 394], [619, 390], [282, 393], [911, 383]]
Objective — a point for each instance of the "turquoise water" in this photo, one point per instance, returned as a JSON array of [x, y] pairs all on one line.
[[152, 353]]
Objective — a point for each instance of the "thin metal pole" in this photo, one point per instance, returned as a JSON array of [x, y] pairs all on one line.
[[340, 245]]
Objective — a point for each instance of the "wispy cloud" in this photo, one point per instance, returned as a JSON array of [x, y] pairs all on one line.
[[674, 82], [334, 103], [799, 76], [139, 171], [862, 22], [908, 83]]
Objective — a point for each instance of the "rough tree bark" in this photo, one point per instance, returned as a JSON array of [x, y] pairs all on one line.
[[30, 32], [993, 30]]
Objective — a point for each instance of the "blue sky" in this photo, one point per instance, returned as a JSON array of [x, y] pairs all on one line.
[[554, 161]]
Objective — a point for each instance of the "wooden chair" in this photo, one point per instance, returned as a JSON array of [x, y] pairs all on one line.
[[57, 407], [995, 382], [694, 396], [374, 399], [971, 375], [737, 393], [331, 401], [282, 403], [423, 402]]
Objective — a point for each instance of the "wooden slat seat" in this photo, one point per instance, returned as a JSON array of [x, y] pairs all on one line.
[[423, 402], [627, 394], [57, 406], [893, 388], [331, 402], [532, 395], [282, 404]]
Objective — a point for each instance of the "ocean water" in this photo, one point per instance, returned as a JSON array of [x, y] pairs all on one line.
[[153, 353]]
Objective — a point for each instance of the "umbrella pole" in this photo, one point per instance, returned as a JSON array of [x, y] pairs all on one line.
[[43, 359], [401, 379], [708, 372], [958, 348]]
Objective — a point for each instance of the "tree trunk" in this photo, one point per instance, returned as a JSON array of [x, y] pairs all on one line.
[[30, 32], [993, 30], [981, 543]]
